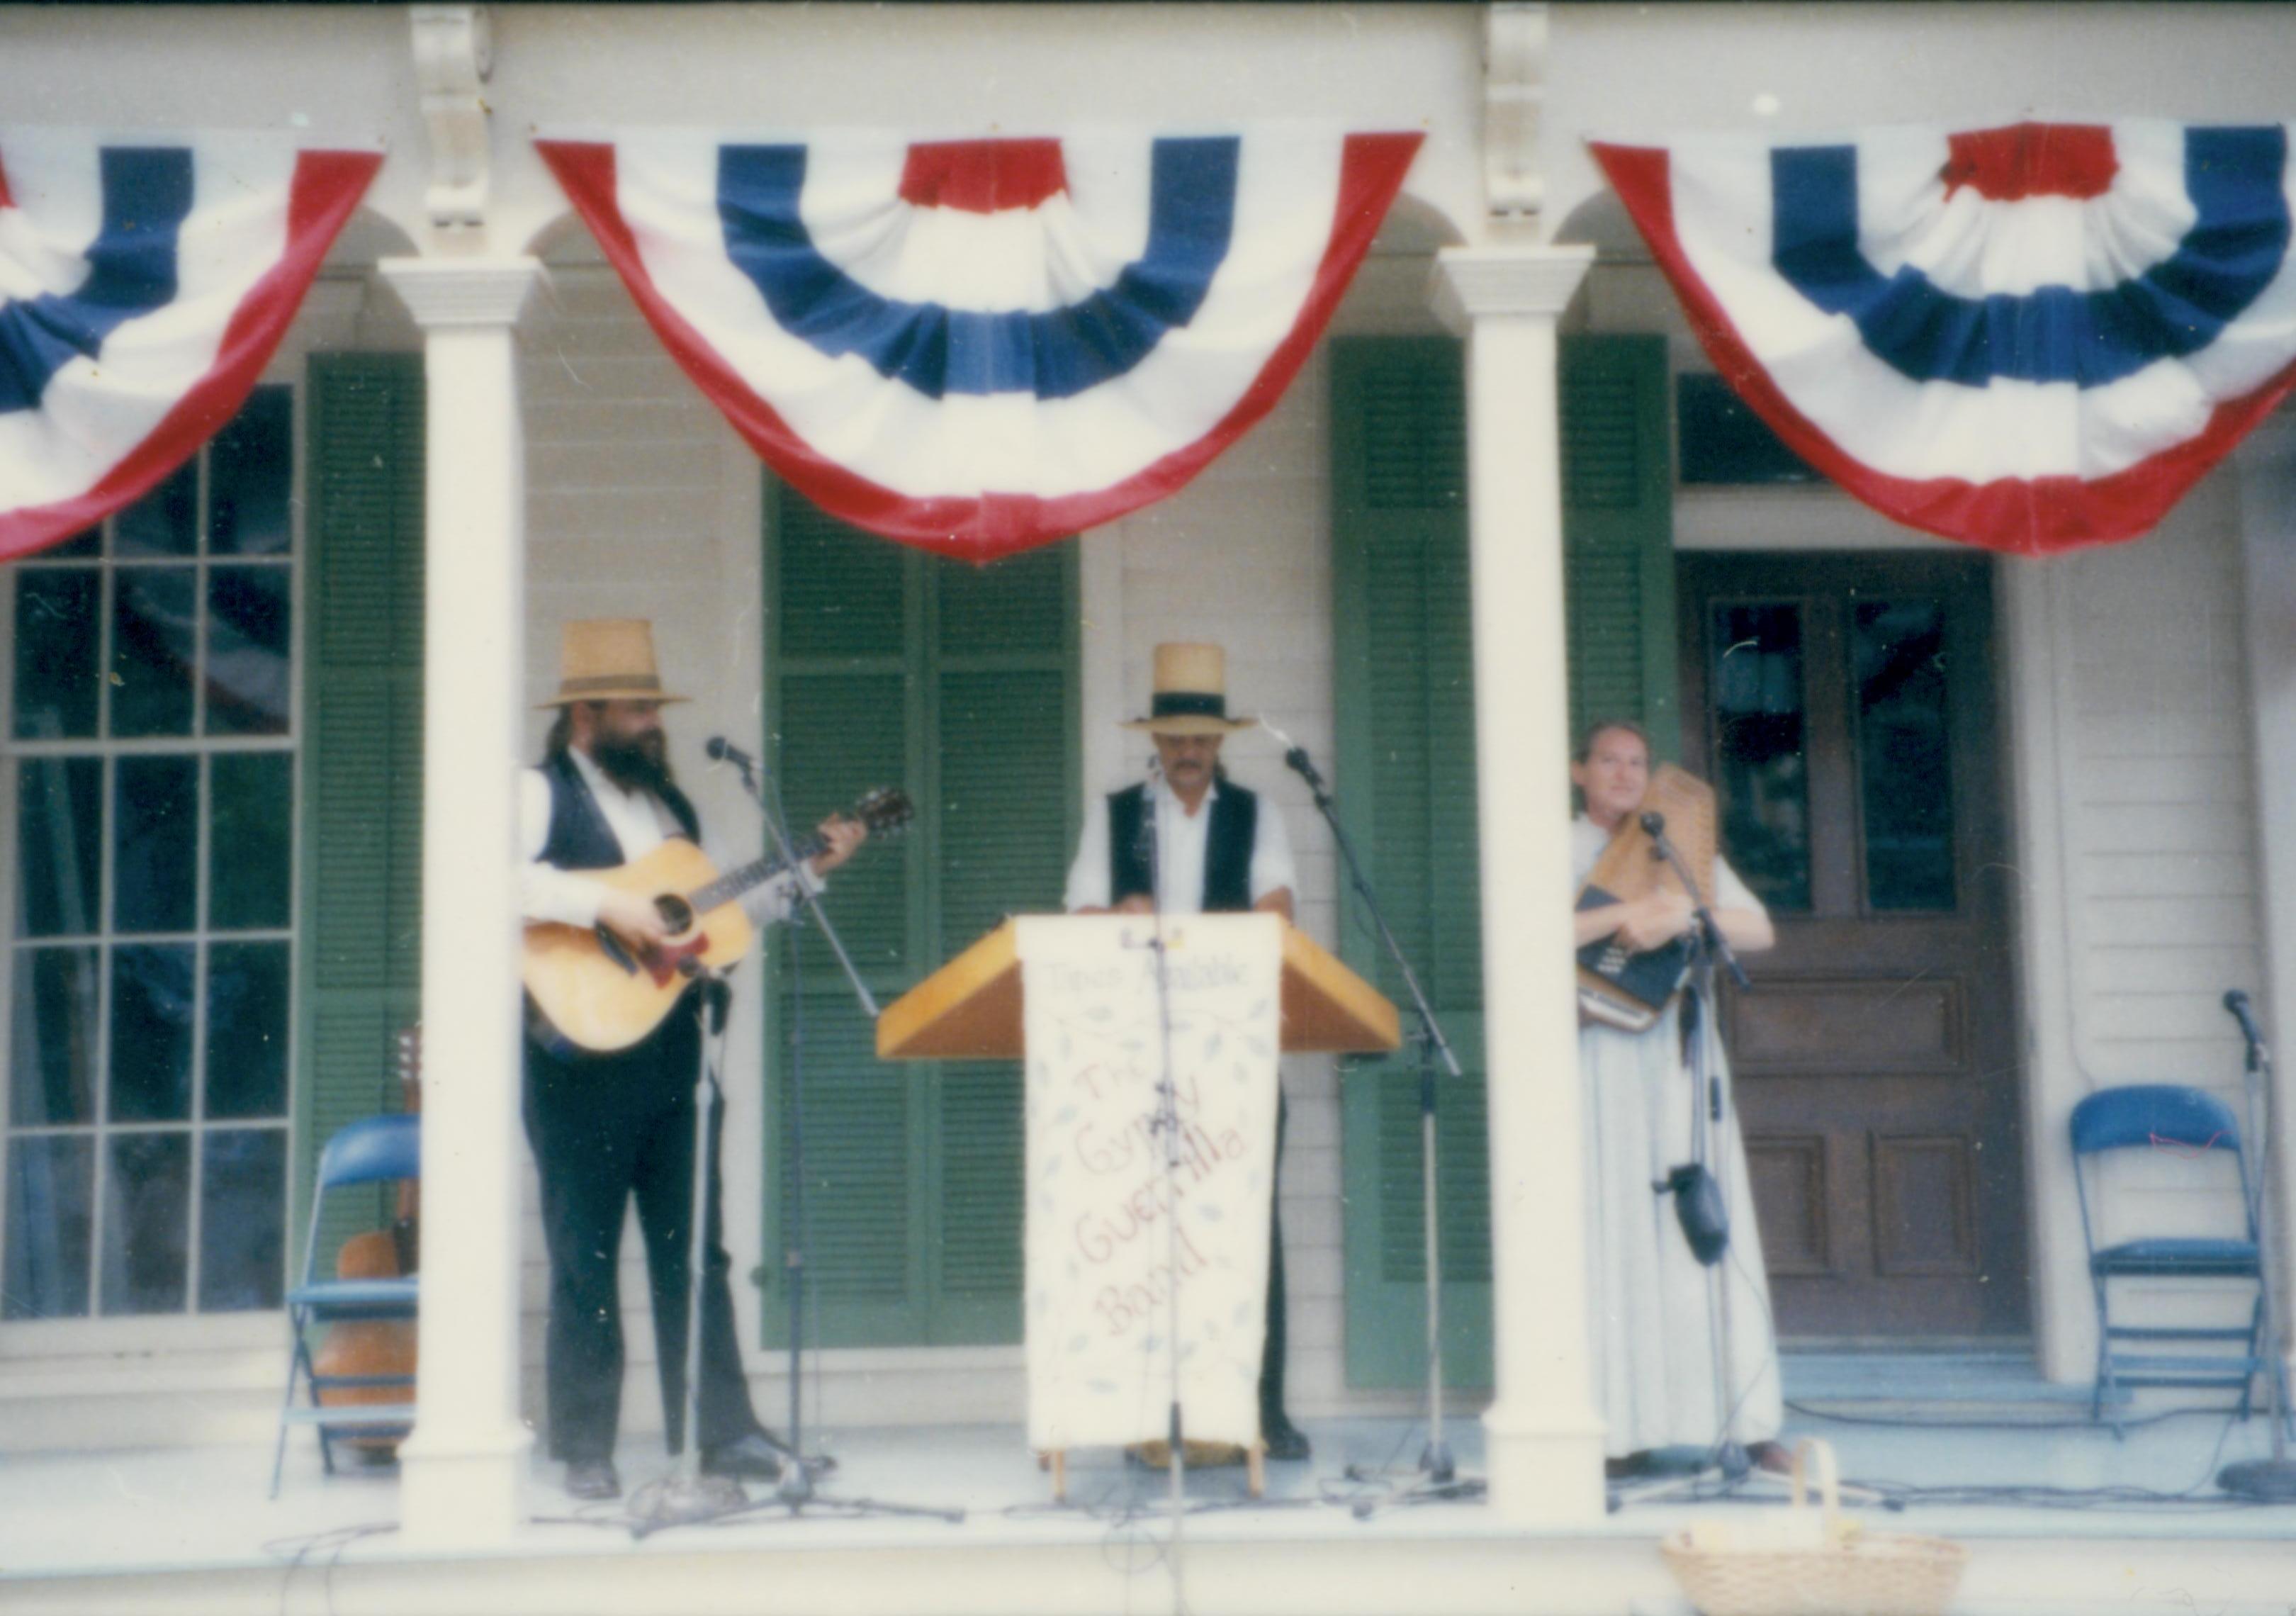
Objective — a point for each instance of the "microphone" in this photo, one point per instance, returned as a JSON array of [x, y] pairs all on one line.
[[722, 751], [2236, 1002], [1295, 757], [1653, 822]]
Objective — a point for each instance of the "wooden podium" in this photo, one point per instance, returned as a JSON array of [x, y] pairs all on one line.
[[970, 1009]]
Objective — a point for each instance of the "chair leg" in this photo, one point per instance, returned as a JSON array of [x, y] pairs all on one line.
[[279, 1447], [2106, 1384], [295, 1361]]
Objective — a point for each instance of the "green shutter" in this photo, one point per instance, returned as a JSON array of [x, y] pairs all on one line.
[[362, 756], [889, 666], [1405, 768], [1618, 528], [1405, 694]]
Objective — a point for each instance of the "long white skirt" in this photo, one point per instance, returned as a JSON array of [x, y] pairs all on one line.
[[1653, 1314]]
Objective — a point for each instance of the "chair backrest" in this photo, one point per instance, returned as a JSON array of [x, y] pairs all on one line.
[[2183, 1121], [372, 1148], [2167, 1115]]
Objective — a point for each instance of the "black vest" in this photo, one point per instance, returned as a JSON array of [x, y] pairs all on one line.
[[1229, 841], [579, 837]]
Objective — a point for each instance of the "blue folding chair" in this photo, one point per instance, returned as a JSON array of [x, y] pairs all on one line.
[[2194, 1125], [372, 1151]]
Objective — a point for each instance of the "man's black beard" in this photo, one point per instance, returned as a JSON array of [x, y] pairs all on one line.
[[642, 765]]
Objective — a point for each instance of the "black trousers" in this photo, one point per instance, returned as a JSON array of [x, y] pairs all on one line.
[[1271, 1356], [605, 1129]]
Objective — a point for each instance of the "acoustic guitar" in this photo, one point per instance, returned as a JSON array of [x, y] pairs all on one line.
[[598, 995], [1616, 987]]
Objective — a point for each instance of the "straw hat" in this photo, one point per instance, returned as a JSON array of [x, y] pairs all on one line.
[[1189, 693], [608, 658]]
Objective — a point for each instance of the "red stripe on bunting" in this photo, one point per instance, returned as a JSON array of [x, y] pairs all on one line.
[[983, 175], [2039, 517], [326, 189], [2008, 165], [982, 528]]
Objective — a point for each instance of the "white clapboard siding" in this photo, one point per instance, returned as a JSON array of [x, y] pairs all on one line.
[[2160, 856]]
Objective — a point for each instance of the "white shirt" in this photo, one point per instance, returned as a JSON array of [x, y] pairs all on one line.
[[641, 821], [1180, 842]]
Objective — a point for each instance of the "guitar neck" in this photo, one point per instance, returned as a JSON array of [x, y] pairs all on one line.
[[733, 884]]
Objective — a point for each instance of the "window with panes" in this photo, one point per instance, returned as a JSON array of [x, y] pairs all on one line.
[[151, 737]]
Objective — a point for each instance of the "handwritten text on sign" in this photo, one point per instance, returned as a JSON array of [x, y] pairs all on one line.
[[1128, 1250]]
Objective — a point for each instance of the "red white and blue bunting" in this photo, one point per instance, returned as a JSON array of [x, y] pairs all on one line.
[[144, 285], [2027, 337], [977, 345]]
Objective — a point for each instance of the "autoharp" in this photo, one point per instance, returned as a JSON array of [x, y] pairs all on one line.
[[1617, 987]]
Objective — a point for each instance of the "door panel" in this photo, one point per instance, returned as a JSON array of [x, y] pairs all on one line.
[[1842, 705]]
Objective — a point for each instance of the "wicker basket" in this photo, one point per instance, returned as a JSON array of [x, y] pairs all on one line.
[[1811, 1562]]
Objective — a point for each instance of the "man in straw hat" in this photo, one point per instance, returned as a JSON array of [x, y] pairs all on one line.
[[607, 1127], [1214, 847]]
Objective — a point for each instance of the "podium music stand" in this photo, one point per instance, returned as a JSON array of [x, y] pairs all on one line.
[[971, 1010]]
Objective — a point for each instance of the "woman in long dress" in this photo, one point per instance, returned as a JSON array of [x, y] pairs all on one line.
[[1653, 1319]]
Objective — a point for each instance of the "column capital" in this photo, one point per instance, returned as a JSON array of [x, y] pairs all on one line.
[[1472, 283], [459, 291]]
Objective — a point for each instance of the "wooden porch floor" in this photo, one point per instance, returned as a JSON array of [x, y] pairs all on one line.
[[189, 1529]]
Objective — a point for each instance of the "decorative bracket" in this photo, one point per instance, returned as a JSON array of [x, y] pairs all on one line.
[[453, 55], [1514, 97]]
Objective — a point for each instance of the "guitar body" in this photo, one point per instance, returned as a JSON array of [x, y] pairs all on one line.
[[371, 1348], [603, 1002]]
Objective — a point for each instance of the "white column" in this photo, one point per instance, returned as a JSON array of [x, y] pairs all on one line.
[[464, 1470], [1543, 1440], [2267, 465]]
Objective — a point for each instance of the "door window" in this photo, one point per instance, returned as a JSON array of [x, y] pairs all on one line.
[[1905, 762], [1760, 723]]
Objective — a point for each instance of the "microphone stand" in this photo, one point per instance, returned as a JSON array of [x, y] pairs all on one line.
[[687, 1494], [1167, 1123], [1442, 1477], [1708, 946], [695, 1499], [2271, 1480]]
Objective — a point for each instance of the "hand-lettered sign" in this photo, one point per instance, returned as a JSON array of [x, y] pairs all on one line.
[[1139, 1233]]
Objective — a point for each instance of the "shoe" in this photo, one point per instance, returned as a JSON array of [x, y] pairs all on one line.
[[592, 1478], [1772, 1456], [1286, 1442], [750, 1458]]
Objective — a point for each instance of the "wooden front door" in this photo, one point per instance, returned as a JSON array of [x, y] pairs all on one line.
[[1843, 706]]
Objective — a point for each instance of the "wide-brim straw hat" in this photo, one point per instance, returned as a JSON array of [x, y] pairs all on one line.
[[1189, 696], [608, 658]]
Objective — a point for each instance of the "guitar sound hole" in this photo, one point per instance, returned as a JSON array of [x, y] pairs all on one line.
[[676, 913]]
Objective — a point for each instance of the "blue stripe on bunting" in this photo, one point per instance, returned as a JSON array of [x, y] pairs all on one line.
[[2236, 178], [147, 196], [939, 350]]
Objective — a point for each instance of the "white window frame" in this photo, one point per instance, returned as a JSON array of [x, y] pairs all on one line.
[[189, 1328]]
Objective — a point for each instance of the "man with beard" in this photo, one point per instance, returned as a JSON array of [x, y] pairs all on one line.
[[1190, 840], [607, 1127]]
